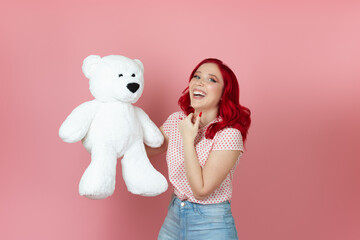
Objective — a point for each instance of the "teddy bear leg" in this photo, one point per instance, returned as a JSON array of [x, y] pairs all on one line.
[[139, 175], [98, 180]]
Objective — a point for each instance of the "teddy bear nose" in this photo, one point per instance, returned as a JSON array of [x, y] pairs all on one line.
[[133, 87]]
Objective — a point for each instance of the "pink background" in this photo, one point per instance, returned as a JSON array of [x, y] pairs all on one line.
[[298, 68]]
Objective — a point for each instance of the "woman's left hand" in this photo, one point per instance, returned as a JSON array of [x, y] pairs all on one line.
[[188, 129]]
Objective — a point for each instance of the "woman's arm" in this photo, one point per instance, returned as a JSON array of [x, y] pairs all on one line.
[[151, 152], [203, 181]]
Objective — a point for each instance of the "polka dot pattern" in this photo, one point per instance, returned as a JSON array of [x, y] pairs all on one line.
[[225, 139]]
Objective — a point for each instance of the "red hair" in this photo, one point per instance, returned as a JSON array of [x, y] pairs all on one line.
[[231, 112]]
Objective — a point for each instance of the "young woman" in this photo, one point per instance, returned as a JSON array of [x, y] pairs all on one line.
[[204, 143]]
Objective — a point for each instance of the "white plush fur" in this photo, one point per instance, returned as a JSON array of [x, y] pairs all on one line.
[[111, 127]]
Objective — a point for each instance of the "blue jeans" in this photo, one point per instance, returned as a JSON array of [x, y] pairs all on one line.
[[192, 221]]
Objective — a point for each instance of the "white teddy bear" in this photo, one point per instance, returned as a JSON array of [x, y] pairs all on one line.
[[111, 127]]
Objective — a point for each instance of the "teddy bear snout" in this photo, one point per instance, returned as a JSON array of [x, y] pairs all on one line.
[[133, 87]]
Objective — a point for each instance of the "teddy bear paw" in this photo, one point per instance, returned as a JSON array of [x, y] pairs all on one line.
[[96, 186], [148, 185]]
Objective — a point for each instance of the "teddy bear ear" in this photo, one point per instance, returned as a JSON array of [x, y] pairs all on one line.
[[89, 64], [138, 62]]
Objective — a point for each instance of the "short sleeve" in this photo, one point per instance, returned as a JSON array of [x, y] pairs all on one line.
[[171, 122], [228, 139]]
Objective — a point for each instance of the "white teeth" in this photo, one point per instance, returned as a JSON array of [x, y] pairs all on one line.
[[199, 93]]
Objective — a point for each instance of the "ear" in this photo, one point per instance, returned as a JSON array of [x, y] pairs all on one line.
[[138, 62], [89, 64]]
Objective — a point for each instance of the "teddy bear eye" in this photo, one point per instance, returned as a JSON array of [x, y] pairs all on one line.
[[133, 75], [120, 75]]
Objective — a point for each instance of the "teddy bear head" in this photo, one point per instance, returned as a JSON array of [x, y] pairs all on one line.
[[114, 78]]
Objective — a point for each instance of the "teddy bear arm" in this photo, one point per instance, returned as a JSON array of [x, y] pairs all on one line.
[[76, 125], [152, 134]]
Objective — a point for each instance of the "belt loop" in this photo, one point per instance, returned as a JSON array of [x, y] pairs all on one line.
[[195, 206], [172, 201]]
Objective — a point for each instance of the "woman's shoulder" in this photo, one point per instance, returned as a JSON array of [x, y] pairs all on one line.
[[229, 131], [174, 118], [177, 115], [228, 138], [172, 121]]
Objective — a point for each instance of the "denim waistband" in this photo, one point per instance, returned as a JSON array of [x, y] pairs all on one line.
[[175, 201]]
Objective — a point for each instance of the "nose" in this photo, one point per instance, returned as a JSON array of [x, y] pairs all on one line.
[[199, 81], [133, 87]]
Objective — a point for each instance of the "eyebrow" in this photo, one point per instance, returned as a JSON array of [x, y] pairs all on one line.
[[213, 75], [209, 74]]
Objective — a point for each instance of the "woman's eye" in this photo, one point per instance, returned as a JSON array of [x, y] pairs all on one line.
[[196, 76], [212, 80]]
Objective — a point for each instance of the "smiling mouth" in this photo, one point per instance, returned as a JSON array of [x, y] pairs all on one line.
[[198, 94]]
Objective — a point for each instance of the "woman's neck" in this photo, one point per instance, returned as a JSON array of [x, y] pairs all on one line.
[[207, 116]]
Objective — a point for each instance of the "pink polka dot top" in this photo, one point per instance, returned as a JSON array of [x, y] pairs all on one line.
[[225, 139]]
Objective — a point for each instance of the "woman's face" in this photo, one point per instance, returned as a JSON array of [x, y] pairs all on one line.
[[206, 87]]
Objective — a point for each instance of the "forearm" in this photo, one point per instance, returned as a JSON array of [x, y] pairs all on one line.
[[194, 171], [151, 152]]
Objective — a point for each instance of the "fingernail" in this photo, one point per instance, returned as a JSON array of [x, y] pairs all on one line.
[[200, 114]]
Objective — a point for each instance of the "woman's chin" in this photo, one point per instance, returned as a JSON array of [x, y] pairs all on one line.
[[196, 106]]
